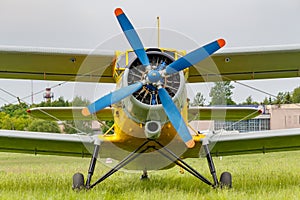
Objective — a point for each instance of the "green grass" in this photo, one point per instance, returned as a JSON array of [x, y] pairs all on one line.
[[269, 176]]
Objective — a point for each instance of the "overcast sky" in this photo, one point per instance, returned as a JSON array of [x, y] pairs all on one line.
[[86, 24]]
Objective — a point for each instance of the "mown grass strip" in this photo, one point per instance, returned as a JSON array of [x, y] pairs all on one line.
[[258, 176]]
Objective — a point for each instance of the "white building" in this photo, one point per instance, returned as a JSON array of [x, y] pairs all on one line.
[[274, 117]]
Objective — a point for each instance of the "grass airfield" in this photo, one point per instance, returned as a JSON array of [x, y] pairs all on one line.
[[258, 176]]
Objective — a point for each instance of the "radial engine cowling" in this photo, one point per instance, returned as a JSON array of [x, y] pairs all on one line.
[[145, 105]]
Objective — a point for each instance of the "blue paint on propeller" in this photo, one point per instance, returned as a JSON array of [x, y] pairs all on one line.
[[194, 57], [114, 97], [175, 117], [154, 76], [132, 37]]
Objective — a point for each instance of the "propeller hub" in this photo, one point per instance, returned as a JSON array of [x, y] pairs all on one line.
[[154, 76]]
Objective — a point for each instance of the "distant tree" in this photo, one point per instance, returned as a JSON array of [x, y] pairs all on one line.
[[78, 101], [16, 110], [77, 126], [266, 101], [21, 123], [296, 95], [288, 98], [249, 101], [279, 98], [60, 102], [40, 125], [283, 98], [221, 94], [199, 100], [5, 121], [270, 101], [71, 126], [14, 117]]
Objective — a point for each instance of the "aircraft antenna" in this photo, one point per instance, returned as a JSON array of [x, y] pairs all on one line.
[[158, 31]]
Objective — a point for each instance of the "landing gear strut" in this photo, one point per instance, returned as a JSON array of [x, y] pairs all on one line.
[[225, 180]]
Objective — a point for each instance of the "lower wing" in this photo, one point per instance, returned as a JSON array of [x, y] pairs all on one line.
[[223, 144], [82, 145], [194, 113], [45, 143]]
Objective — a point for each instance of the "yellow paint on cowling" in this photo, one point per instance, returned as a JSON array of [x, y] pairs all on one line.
[[198, 137], [129, 135], [128, 131], [117, 71]]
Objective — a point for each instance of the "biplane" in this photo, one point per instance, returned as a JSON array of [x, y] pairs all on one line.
[[149, 107]]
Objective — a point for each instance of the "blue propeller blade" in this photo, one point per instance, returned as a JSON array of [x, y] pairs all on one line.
[[132, 36], [175, 117], [194, 57], [112, 98]]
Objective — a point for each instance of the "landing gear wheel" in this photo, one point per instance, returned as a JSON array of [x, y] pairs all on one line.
[[144, 175], [78, 181], [226, 180], [144, 178]]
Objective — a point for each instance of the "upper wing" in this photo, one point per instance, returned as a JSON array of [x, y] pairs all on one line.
[[248, 63], [222, 113], [72, 65], [56, 64], [68, 113], [251, 142]]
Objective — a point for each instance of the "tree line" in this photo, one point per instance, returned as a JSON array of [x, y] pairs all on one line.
[[15, 117], [221, 94]]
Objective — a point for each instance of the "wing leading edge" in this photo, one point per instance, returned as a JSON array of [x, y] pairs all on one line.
[[72, 65], [194, 113], [82, 145], [74, 145], [224, 144], [248, 63], [56, 64], [68, 113], [45, 143]]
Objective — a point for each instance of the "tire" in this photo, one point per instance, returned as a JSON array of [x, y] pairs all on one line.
[[78, 181], [226, 180]]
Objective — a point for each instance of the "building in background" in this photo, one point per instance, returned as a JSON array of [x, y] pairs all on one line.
[[283, 116], [259, 123]]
